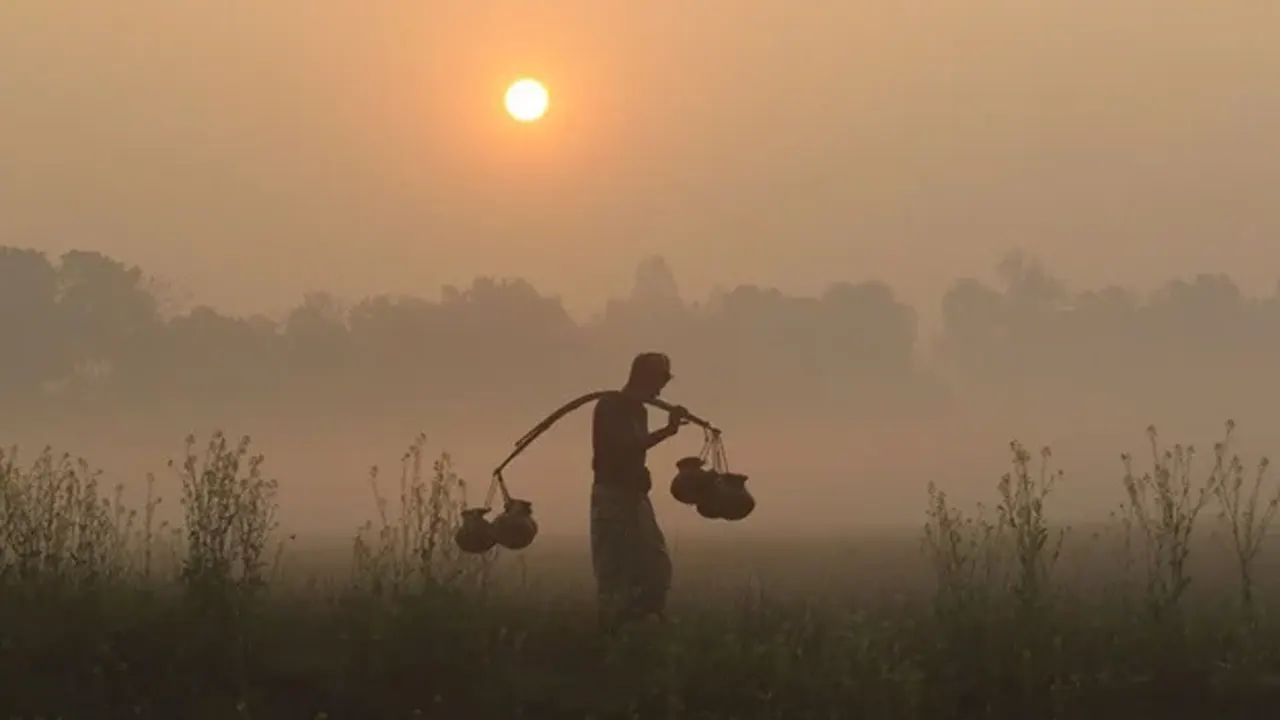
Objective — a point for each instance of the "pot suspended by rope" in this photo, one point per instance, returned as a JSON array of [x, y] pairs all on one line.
[[515, 528], [476, 534], [735, 501], [692, 482], [728, 498], [709, 508]]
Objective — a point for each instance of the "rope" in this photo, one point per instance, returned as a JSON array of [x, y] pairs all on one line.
[[497, 485], [708, 443], [713, 451]]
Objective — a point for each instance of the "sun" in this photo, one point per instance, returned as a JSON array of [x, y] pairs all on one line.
[[527, 100]]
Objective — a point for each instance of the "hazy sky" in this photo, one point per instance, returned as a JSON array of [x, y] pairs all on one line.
[[250, 151]]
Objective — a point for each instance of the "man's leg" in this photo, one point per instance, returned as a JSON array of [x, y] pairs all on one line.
[[653, 562], [615, 529]]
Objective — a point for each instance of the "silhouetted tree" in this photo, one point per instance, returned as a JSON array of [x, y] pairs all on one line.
[[110, 316], [32, 337], [867, 332], [976, 332], [90, 327]]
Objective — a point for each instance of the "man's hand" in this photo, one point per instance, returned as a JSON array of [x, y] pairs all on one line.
[[677, 417]]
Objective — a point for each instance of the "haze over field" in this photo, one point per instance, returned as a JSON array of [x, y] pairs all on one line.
[[250, 153]]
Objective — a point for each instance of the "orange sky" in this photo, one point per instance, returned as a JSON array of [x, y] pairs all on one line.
[[251, 151]]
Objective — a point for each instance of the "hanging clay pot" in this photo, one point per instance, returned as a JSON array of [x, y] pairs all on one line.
[[710, 509], [475, 535], [733, 500], [692, 483], [710, 505], [515, 528]]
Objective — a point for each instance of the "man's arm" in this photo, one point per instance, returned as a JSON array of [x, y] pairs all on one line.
[[659, 435], [616, 430]]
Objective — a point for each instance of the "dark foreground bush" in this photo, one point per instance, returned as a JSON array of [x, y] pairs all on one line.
[[104, 613]]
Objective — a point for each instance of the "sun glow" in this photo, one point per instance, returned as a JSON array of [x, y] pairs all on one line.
[[527, 100]]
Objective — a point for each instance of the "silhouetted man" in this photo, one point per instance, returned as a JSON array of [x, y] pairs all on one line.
[[628, 550]]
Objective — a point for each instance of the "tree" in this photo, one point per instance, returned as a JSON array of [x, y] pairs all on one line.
[[33, 347], [107, 308], [868, 330]]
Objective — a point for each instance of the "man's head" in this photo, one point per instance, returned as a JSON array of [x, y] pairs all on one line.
[[650, 373]]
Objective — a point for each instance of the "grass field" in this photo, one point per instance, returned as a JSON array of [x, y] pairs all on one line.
[[1166, 610]]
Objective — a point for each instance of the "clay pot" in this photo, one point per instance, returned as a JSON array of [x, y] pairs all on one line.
[[476, 533], [690, 464], [709, 507], [515, 528], [728, 498], [733, 500], [692, 483]]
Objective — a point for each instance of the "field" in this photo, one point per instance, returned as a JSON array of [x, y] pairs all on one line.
[[1165, 610]]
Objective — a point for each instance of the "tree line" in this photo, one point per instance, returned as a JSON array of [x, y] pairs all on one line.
[[86, 330]]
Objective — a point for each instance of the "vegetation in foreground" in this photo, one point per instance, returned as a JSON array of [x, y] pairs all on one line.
[[105, 612]]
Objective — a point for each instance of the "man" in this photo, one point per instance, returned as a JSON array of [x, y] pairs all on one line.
[[628, 550]]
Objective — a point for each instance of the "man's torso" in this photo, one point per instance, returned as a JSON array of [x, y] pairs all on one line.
[[620, 416]]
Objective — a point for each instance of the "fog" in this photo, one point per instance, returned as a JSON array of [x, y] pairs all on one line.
[[245, 156], [836, 404]]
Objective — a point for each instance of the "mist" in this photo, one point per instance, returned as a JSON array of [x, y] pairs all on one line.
[[879, 241], [838, 406]]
